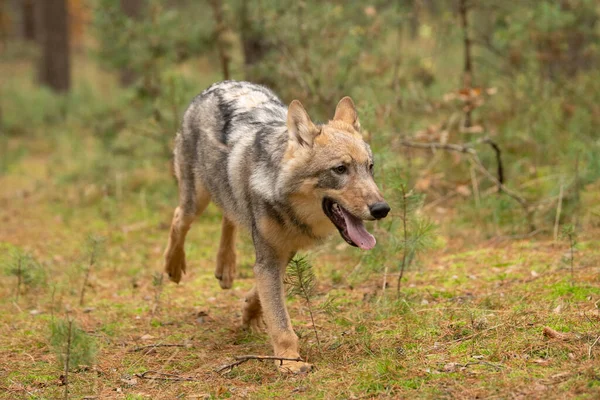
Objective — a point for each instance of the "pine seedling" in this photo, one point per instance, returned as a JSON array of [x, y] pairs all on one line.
[[19, 273], [93, 249], [301, 282], [416, 234], [27, 270], [569, 233], [157, 284], [72, 346]]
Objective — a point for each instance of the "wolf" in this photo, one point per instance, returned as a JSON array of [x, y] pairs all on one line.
[[290, 182]]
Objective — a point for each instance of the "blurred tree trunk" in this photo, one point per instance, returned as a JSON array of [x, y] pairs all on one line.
[[254, 45], [28, 12], [5, 24], [55, 68], [132, 9], [415, 19], [432, 6], [220, 29], [29, 25], [468, 66]]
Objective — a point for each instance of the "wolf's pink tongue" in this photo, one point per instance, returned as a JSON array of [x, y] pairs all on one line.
[[357, 232]]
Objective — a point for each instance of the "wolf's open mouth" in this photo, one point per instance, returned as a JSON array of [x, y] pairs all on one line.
[[351, 228]]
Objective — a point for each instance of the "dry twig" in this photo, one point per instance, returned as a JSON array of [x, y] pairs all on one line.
[[558, 212], [163, 376], [498, 181], [242, 359], [152, 346], [592, 346]]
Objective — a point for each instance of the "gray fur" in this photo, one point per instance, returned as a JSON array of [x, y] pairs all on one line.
[[232, 141]]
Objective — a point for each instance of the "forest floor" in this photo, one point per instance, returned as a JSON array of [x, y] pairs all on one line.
[[502, 318]]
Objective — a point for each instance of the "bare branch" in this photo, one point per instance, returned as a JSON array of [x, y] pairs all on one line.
[[592, 346], [242, 359], [439, 146], [162, 376], [152, 346], [468, 149]]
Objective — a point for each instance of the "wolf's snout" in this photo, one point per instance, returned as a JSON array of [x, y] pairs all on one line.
[[379, 210]]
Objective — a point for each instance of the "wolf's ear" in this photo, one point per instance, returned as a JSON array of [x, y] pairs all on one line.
[[346, 112], [299, 124]]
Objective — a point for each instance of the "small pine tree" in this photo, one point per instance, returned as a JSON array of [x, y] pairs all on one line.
[[27, 270], [568, 233], [301, 282], [417, 232], [72, 345], [94, 247], [157, 284]]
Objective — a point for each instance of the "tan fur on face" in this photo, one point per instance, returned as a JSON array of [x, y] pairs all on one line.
[[357, 196], [339, 142]]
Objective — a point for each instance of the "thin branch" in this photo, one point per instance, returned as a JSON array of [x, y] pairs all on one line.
[[405, 230], [163, 376], [592, 346], [497, 367], [242, 359], [558, 212], [152, 346], [439, 146], [498, 158], [467, 149], [511, 193], [68, 359]]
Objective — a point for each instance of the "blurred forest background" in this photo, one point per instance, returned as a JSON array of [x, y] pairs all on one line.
[[484, 119]]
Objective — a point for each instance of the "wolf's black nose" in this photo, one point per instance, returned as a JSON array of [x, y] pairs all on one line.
[[379, 210]]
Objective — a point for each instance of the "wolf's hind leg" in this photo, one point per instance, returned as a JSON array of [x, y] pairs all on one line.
[[191, 203], [225, 270]]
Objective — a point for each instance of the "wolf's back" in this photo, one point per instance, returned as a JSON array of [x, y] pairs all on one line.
[[231, 142]]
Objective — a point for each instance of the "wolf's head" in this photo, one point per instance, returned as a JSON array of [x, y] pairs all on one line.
[[332, 170]]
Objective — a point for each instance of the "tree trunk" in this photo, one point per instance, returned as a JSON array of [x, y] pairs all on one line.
[[415, 19], [55, 68], [29, 25], [220, 29], [5, 24], [132, 9], [468, 66], [255, 45]]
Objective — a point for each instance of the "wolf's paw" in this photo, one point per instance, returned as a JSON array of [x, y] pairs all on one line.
[[225, 277], [225, 271], [294, 367], [254, 323], [175, 263]]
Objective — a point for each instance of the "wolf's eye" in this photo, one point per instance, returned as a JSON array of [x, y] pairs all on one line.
[[371, 168], [340, 169]]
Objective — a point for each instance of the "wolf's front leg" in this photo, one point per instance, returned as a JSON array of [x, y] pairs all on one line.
[[269, 272]]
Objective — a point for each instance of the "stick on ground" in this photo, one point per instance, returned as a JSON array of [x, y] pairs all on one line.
[[242, 359], [163, 376], [152, 346]]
